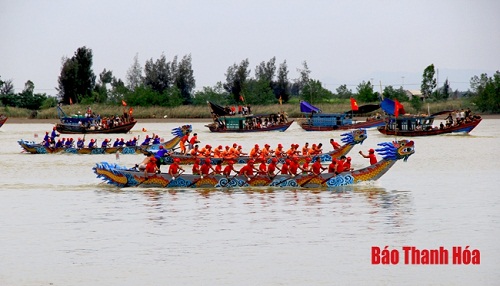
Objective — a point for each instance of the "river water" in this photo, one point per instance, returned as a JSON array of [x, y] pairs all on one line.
[[60, 225]]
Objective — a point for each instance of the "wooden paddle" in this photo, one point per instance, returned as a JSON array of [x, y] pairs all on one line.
[[308, 180]]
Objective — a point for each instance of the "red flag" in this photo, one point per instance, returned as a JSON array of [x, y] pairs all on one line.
[[397, 106], [70, 101], [354, 104], [130, 111], [124, 103], [242, 98]]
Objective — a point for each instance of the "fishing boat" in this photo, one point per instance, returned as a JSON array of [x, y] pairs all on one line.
[[80, 124], [349, 140], [407, 125], [225, 120], [129, 177], [39, 148], [3, 118], [315, 120]]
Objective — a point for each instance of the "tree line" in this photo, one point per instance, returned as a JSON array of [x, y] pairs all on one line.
[[172, 83]]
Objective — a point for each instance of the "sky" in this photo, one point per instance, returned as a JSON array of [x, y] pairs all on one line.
[[386, 42]]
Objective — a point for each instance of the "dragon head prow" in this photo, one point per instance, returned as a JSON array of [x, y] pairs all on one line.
[[354, 137], [182, 130], [396, 150]]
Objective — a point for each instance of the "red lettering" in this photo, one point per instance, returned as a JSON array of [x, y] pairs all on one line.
[[375, 255]]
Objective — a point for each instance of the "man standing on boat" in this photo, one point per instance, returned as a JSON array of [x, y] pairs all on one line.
[[371, 155], [194, 140]]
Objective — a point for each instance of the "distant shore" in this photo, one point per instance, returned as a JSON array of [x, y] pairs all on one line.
[[17, 120]]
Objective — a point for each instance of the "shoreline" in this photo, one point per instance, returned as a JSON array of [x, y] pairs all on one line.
[[18, 120]]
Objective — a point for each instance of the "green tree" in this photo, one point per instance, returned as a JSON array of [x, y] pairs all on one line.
[[314, 92], [184, 79], [399, 94], [428, 81], [215, 94], [134, 74], [344, 92], [158, 75], [486, 92], [365, 92], [416, 103], [282, 87], [77, 79], [28, 99], [236, 79]]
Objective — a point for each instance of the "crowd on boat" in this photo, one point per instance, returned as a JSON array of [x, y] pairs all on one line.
[[93, 121], [458, 117]]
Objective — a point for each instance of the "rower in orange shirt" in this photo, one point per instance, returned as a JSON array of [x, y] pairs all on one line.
[[305, 149], [254, 153], [279, 151], [266, 152], [195, 151], [218, 152], [225, 153]]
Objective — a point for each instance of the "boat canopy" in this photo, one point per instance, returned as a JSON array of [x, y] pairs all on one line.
[[219, 110], [306, 107], [389, 106]]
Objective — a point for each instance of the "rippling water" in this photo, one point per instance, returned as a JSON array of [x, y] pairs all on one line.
[[61, 226]]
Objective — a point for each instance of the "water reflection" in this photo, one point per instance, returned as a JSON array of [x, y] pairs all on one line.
[[380, 209]]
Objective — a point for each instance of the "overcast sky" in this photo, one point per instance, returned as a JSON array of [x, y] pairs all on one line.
[[343, 42]]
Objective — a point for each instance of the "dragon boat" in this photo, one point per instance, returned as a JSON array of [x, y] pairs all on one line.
[[390, 151], [37, 148], [350, 139], [3, 118]]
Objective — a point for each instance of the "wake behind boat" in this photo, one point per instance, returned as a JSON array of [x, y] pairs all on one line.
[[124, 177]]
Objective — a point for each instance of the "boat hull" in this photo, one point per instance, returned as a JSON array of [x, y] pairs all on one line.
[[122, 177], [462, 128], [77, 129], [366, 124], [36, 148], [279, 127], [3, 118]]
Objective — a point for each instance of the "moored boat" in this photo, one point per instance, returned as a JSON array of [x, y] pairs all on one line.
[[38, 148], [315, 120], [225, 121], [349, 140], [398, 123], [3, 118], [390, 151], [422, 125], [90, 124]]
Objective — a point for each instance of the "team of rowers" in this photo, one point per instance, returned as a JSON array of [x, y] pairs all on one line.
[[50, 141], [203, 166]]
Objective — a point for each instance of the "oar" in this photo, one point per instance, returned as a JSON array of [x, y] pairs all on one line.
[[195, 181], [326, 180], [308, 180], [229, 180], [175, 177], [284, 180]]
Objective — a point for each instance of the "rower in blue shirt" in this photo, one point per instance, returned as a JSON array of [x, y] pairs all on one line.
[[146, 141], [92, 143], [116, 143], [156, 140], [54, 134], [80, 143], [104, 143]]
